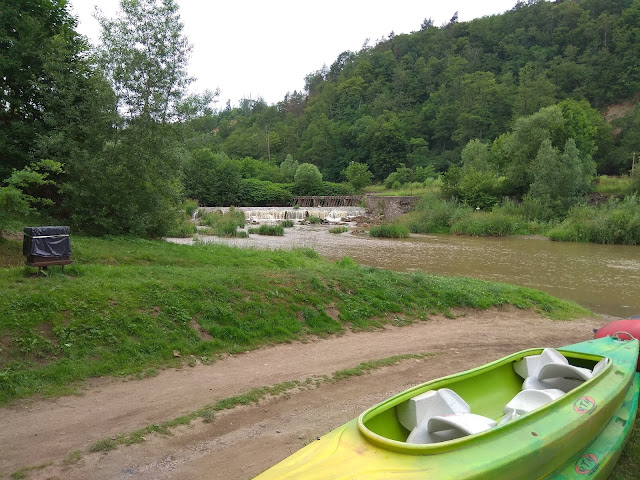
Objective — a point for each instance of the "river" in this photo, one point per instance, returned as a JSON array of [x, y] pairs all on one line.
[[603, 278]]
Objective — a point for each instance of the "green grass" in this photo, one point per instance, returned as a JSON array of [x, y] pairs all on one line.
[[389, 231], [431, 186], [287, 223], [270, 230], [338, 230], [613, 185], [314, 220], [126, 304]]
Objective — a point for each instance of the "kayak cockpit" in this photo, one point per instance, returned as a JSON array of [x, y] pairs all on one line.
[[446, 413]]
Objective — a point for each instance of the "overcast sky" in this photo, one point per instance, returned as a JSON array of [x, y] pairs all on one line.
[[258, 48]]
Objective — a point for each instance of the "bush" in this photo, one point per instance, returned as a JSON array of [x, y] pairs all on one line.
[[476, 188], [314, 220], [494, 224], [183, 229], [224, 224], [270, 230], [389, 231], [614, 223], [190, 207], [308, 180], [287, 223], [432, 214], [259, 193], [338, 230], [634, 187]]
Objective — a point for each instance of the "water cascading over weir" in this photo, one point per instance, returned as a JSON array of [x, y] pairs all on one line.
[[273, 214]]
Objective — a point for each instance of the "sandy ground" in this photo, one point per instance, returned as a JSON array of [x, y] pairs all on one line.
[[240, 443]]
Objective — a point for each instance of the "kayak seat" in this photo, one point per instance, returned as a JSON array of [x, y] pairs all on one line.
[[528, 400], [449, 427], [430, 404], [439, 415], [531, 365], [551, 370]]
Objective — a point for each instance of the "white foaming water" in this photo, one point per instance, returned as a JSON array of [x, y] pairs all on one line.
[[270, 214]]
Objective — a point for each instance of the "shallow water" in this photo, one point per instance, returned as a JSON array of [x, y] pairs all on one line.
[[603, 278]]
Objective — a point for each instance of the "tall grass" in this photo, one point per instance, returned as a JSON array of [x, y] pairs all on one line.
[[432, 214], [224, 224], [616, 222], [125, 305], [389, 231], [431, 186], [270, 230], [613, 185]]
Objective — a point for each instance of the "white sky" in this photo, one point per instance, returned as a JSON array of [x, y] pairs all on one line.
[[258, 48]]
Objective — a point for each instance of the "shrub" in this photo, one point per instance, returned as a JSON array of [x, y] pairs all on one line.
[[308, 180], [432, 214], [495, 224], [260, 193], [287, 223], [224, 224], [614, 223], [389, 231], [183, 229], [634, 187], [271, 230], [338, 230], [190, 206], [314, 220]]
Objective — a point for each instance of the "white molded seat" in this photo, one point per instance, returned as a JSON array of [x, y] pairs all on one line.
[[449, 427], [564, 384], [551, 370], [531, 365], [430, 404], [439, 415], [558, 370], [600, 366], [467, 423], [528, 400]]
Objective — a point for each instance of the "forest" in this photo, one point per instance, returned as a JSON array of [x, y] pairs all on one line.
[[526, 108]]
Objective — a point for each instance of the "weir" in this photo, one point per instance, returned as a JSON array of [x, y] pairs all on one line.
[[266, 214]]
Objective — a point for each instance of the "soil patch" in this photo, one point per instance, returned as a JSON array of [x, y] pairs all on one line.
[[47, 431]]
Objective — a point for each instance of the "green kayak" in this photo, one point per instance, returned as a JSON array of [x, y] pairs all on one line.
[[538, 413]]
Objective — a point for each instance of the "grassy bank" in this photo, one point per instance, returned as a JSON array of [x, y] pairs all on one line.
[[126, 305]]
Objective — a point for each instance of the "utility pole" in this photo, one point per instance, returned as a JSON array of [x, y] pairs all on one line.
[[268, 149]]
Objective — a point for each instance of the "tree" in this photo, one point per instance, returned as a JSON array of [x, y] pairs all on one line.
[[559, 181], [16, 199], [308, 180], [132, 186], [144, 55], [358, 175], [288, 169], [46, 85]]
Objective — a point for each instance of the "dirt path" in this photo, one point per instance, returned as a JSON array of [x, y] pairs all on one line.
[[239, 444]]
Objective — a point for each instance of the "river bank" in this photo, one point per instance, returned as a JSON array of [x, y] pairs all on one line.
[[603, 278]]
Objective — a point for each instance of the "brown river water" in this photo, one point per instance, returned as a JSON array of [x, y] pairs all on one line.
[[602, 278]]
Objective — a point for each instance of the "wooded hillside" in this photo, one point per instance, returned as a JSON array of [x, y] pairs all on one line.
[[419, 98]]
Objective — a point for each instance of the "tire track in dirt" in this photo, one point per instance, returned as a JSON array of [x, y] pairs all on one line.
[[241, 443]]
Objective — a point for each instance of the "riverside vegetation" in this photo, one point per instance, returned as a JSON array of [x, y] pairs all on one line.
[[127, 304], [528, 105]]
